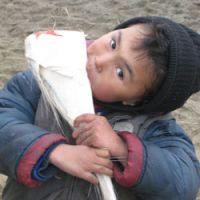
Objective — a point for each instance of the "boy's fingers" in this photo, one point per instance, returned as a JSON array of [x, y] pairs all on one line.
[[103, 152], [107, 163], [75, 133], [82, 128], [85, 118], [90, 177], [103, 170], [84, 139]]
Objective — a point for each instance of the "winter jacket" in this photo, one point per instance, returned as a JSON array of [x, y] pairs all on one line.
[[161, 159]]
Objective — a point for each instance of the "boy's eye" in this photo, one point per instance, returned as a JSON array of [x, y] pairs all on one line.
[[120, 73], [113, 44]]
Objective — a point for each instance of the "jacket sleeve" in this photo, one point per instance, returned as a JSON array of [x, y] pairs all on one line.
[[21, 142], [161, 165]]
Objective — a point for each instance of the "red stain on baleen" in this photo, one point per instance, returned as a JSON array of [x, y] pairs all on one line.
[[51, 32]]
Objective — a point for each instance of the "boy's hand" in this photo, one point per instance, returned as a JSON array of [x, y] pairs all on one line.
[[82, 161], [93, 130]]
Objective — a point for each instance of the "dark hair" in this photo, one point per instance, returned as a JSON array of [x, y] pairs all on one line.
[[155, 46]]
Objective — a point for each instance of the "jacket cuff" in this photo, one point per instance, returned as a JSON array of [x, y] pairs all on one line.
[[43, 170], [32, 155], [133, 169]]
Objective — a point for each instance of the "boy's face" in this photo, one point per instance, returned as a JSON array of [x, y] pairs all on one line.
[[116, 70]]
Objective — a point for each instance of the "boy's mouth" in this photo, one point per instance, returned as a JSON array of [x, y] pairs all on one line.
[[90, 66], [91, 69]]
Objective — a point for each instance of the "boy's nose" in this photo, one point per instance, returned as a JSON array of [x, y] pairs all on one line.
[[103, 62]]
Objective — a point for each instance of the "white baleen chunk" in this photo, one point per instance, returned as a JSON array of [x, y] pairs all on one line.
[[58, 61]]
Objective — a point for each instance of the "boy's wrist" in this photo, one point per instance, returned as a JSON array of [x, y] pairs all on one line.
[[131, 173], [55, 155], [120, 152]]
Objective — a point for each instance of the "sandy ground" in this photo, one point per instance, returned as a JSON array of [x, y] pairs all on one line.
[[18, 18]]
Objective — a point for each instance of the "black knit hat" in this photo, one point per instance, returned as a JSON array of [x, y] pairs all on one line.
[[183, 70]]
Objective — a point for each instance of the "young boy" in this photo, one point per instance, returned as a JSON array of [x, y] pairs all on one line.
[[140, 72]]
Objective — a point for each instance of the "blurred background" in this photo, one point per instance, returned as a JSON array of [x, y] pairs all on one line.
[[19, 18]]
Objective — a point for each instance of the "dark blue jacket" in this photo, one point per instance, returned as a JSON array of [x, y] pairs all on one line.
[[161, 164]]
